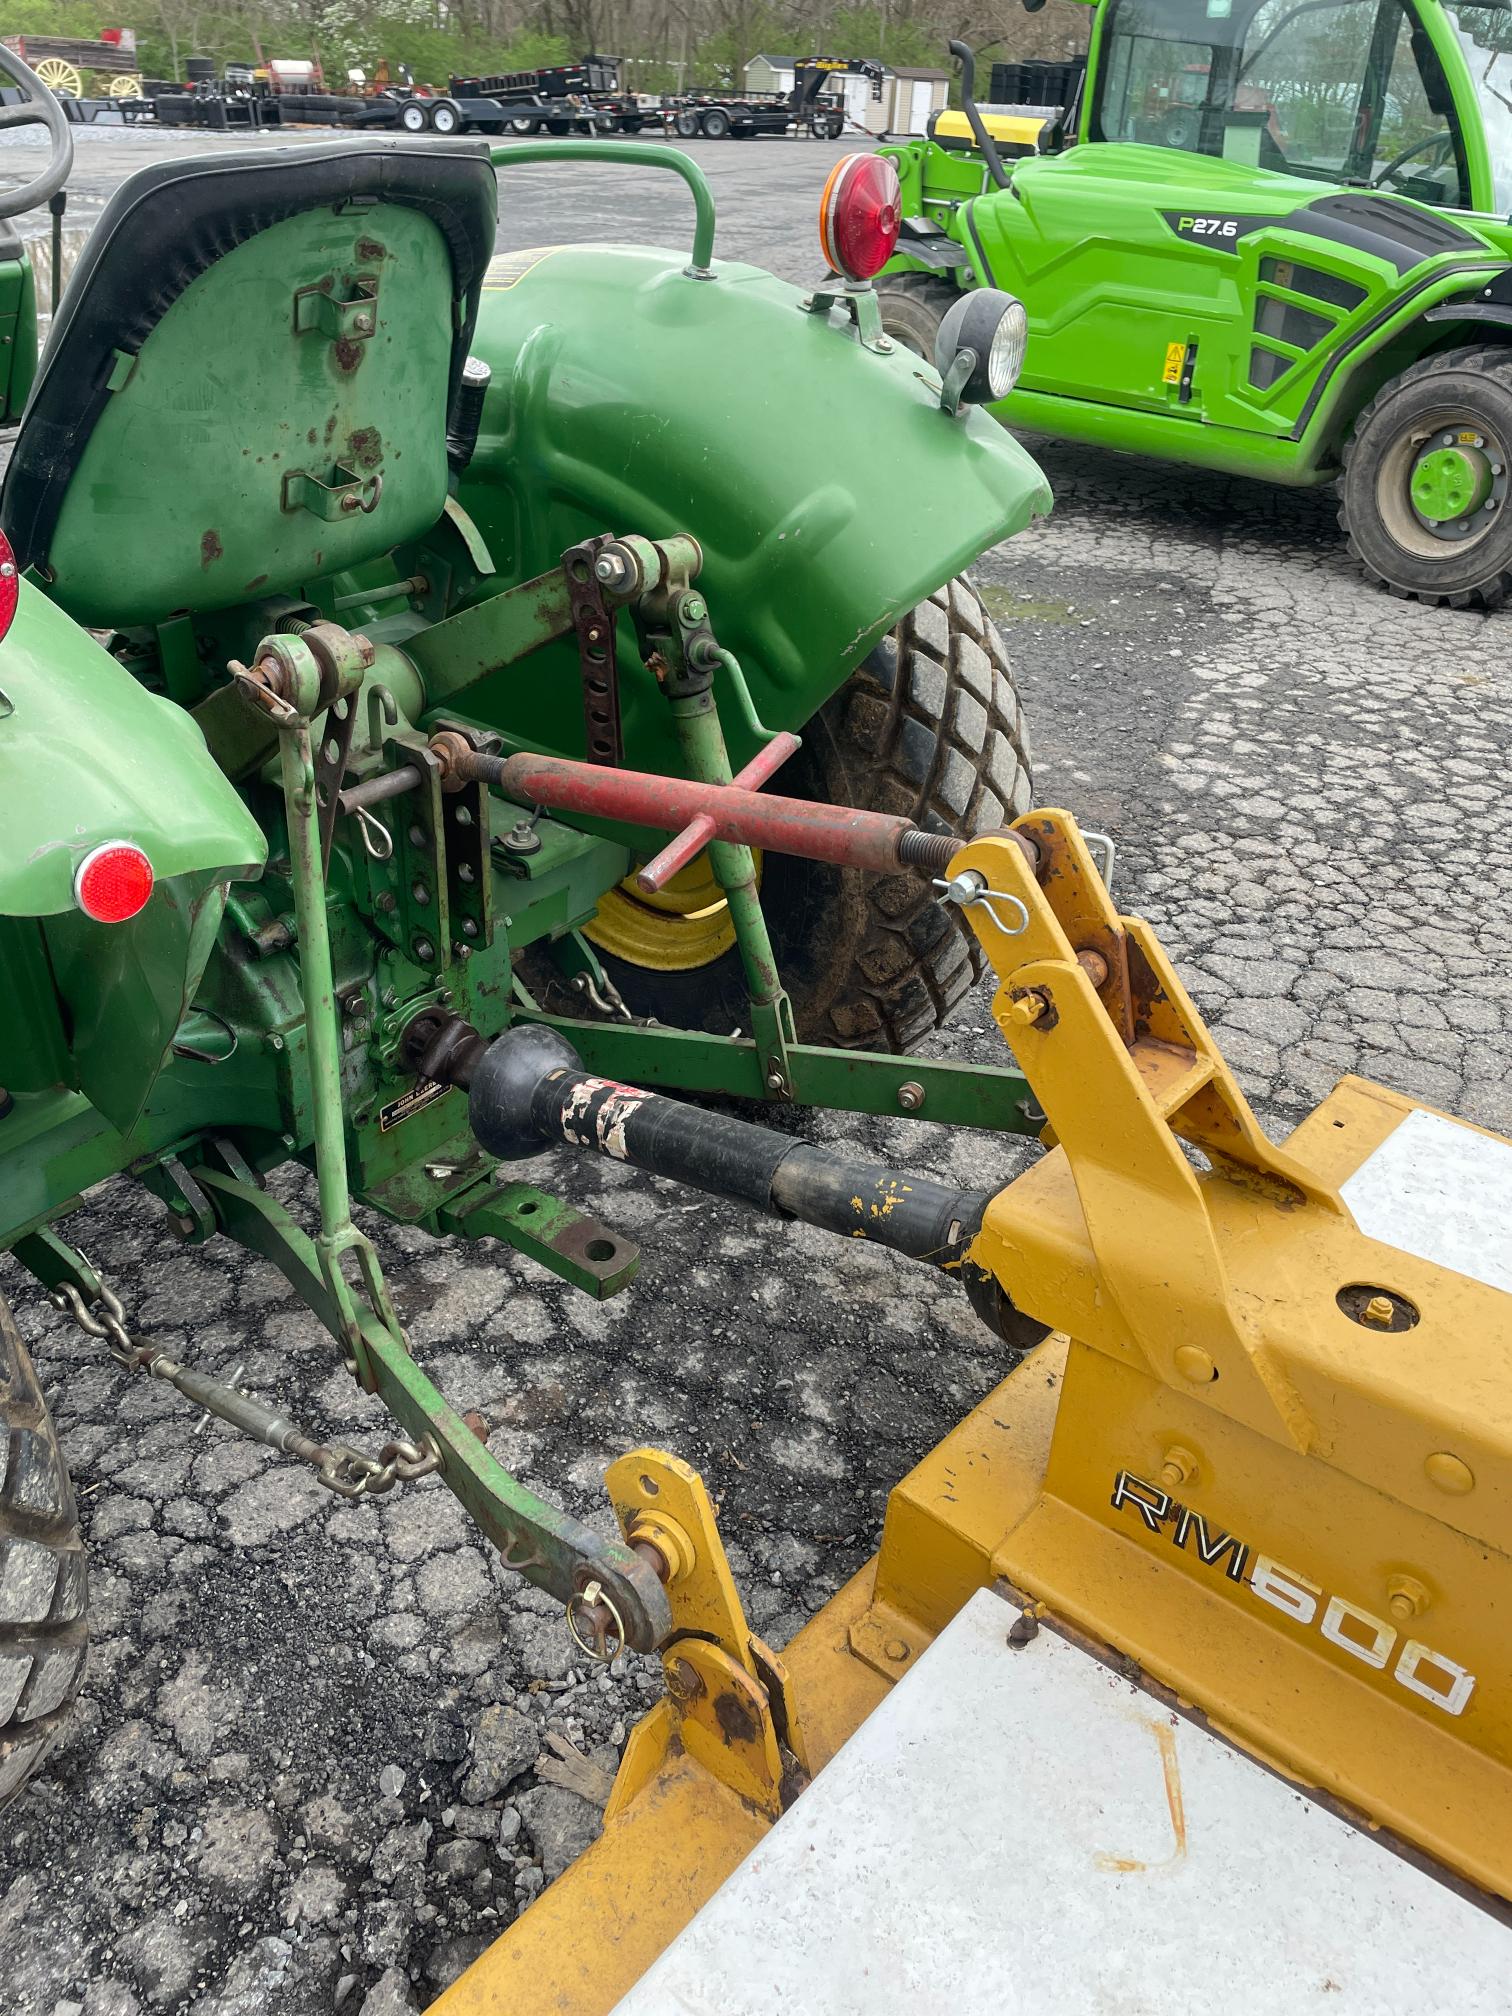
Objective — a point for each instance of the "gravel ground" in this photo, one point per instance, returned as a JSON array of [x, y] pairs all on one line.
[[311, 1768]]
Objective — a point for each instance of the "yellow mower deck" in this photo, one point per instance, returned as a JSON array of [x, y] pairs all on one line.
[[1267, 1461]]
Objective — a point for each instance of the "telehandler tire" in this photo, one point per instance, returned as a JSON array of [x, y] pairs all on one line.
[[1436, 440], [44, 1583], [928, 725], [913, 306]]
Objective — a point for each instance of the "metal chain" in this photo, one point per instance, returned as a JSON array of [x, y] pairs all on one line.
[[346, 1471], [110, 1326]]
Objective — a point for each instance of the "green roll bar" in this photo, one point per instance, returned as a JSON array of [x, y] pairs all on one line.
[[636, 154]]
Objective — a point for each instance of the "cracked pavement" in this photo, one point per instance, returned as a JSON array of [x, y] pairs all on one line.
[[307, 1770]]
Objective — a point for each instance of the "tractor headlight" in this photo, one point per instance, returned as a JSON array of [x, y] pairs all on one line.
[[979, 350]]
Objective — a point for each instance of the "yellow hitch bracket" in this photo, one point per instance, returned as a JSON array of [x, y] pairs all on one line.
[[1125, 1071], [728, 1696]]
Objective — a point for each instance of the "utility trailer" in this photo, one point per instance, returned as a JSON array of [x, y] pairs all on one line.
[[562, 98], [808, 106], [281, 94]]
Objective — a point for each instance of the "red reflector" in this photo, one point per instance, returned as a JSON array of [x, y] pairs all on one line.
[[10, 584], [113, 882], [858, 215]]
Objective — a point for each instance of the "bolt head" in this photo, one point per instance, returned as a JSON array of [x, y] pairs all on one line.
[[1179, 1467], [1378, 1312], [1194, 1365], [1449, 1474], [424, 951], [911, 1096]]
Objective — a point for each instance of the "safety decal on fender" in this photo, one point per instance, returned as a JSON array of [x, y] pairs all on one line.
[[1360, 1633], [505, 269], [1219, 229], [424, 1092]]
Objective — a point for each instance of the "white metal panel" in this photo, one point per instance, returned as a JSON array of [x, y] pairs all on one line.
[[1022, 1830], [1441, 1192], [921, 107]]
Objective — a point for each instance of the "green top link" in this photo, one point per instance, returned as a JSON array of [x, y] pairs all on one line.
[[637, 154]]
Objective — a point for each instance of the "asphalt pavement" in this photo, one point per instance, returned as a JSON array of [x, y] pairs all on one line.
[[306, 1772]]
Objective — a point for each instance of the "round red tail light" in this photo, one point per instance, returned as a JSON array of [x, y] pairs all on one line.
[[859, 214], [10, 584], [113, 882]]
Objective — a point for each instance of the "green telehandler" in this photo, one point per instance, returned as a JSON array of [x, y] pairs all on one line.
[[356, 587], [1268, 237]]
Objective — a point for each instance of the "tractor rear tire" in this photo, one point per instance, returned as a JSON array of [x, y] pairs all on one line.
[[1470, 390], [913, 306], [928, 725], [43, 1576]]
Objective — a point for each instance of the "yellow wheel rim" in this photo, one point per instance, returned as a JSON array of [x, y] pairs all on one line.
[[60, 76], [685, 926]]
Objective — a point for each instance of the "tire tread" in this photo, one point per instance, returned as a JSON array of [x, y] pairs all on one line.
[[946, 744], [44, 1584]]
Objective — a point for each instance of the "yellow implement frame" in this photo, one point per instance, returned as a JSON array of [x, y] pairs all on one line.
[[1267, 1459]]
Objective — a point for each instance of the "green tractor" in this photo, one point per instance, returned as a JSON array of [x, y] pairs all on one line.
[[1268, 237], [374, 608]]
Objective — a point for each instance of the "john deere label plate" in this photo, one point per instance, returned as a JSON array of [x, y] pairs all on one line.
[[424, 1092], [1019, 1828]]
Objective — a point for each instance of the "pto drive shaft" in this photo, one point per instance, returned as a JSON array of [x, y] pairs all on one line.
[[528, 1090]]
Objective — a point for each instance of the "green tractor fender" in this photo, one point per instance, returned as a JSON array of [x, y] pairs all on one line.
[[828, 490], [89, 756]]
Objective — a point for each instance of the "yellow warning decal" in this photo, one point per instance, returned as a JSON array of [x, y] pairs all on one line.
[[505, 268], [1175, 358]]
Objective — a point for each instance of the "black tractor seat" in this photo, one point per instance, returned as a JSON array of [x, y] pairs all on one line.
[[167, 228]]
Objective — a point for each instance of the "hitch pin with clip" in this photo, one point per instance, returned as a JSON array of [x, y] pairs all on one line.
[[969, 888]]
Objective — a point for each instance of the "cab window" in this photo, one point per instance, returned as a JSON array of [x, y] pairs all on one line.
[[1346, 91]]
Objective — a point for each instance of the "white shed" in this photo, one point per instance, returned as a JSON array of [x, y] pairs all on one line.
[[910, 96]]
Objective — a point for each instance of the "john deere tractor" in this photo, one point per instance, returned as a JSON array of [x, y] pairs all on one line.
[[1266, 236], [320, 516]]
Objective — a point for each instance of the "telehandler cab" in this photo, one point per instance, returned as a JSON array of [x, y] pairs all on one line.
[[1269, 237]]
